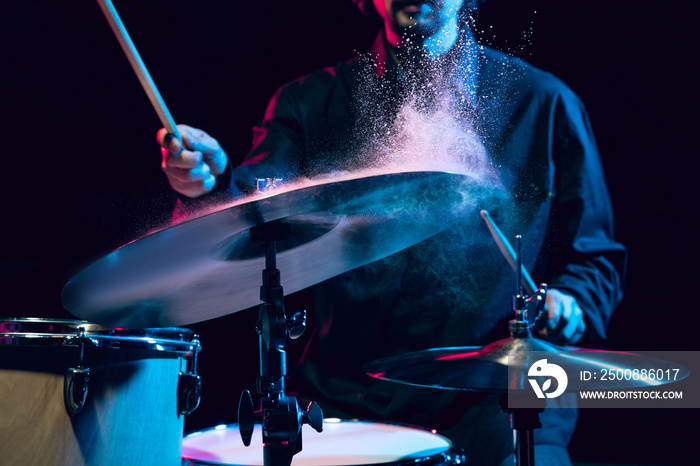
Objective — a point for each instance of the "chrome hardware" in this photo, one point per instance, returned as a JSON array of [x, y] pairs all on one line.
[[75, 381], [263, 185], [75, 389], [189, 385]]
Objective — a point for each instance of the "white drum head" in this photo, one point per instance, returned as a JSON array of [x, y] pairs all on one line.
[[342, 443]]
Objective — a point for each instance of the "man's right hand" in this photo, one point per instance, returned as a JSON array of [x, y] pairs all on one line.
[[193, 165]]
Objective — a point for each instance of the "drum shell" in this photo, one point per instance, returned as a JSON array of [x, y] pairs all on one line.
[[130, 416]]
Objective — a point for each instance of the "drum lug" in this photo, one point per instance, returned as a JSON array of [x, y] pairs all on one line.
[[75, 389], [189, 384], [75, 380], [189, 393]]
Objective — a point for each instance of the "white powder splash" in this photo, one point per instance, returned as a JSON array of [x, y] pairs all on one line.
[[436, 140]]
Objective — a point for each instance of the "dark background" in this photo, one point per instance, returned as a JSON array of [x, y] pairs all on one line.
[[81, 171]]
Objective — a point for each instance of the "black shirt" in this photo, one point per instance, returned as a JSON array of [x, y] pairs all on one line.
[[516, 126]]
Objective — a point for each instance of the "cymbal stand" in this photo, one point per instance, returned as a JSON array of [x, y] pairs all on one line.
[[524, 420], [280, 415]]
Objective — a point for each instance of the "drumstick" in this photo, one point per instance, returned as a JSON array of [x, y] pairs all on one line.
[[139, 68], [508, 252]]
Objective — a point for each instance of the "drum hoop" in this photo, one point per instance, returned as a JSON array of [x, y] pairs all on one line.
[[32, 331], [337, 421], [439, 459], [444, 457]]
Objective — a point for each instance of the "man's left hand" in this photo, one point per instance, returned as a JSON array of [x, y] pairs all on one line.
[[564, 324]]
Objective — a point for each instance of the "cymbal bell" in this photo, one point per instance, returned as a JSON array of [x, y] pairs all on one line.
[[208, 267], [503, 365]]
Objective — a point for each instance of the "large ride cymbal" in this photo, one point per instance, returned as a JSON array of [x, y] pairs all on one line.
[[503, 366], [208, 267]]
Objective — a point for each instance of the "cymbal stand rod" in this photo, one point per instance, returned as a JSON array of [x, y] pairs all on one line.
[[519, 328], [519, 266], [139, 67], [524, 447], [271, 256], [523, 422]]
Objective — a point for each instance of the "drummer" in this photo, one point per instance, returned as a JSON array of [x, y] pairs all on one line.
[[425, 83]]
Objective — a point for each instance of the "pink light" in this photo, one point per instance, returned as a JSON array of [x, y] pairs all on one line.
[[180, 213], [457, 356]]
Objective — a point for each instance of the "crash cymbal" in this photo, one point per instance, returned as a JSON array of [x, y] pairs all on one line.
[[486, 369], [208, 267]]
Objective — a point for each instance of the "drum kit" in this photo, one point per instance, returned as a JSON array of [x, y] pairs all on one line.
[[112, 389]]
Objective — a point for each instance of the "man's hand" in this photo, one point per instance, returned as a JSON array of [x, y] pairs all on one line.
[[192, 167], [564, 324]]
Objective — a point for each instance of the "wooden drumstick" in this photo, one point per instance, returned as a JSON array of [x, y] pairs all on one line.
[[508, 252], [139, 68]]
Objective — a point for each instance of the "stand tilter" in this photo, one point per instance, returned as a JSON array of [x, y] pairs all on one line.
[[280, 415]]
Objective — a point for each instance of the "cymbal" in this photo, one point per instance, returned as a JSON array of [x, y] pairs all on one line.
[[207, 267], [503, 366]]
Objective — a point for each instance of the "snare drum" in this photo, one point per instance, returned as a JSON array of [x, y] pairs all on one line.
[[74, 393], [342, 443]]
